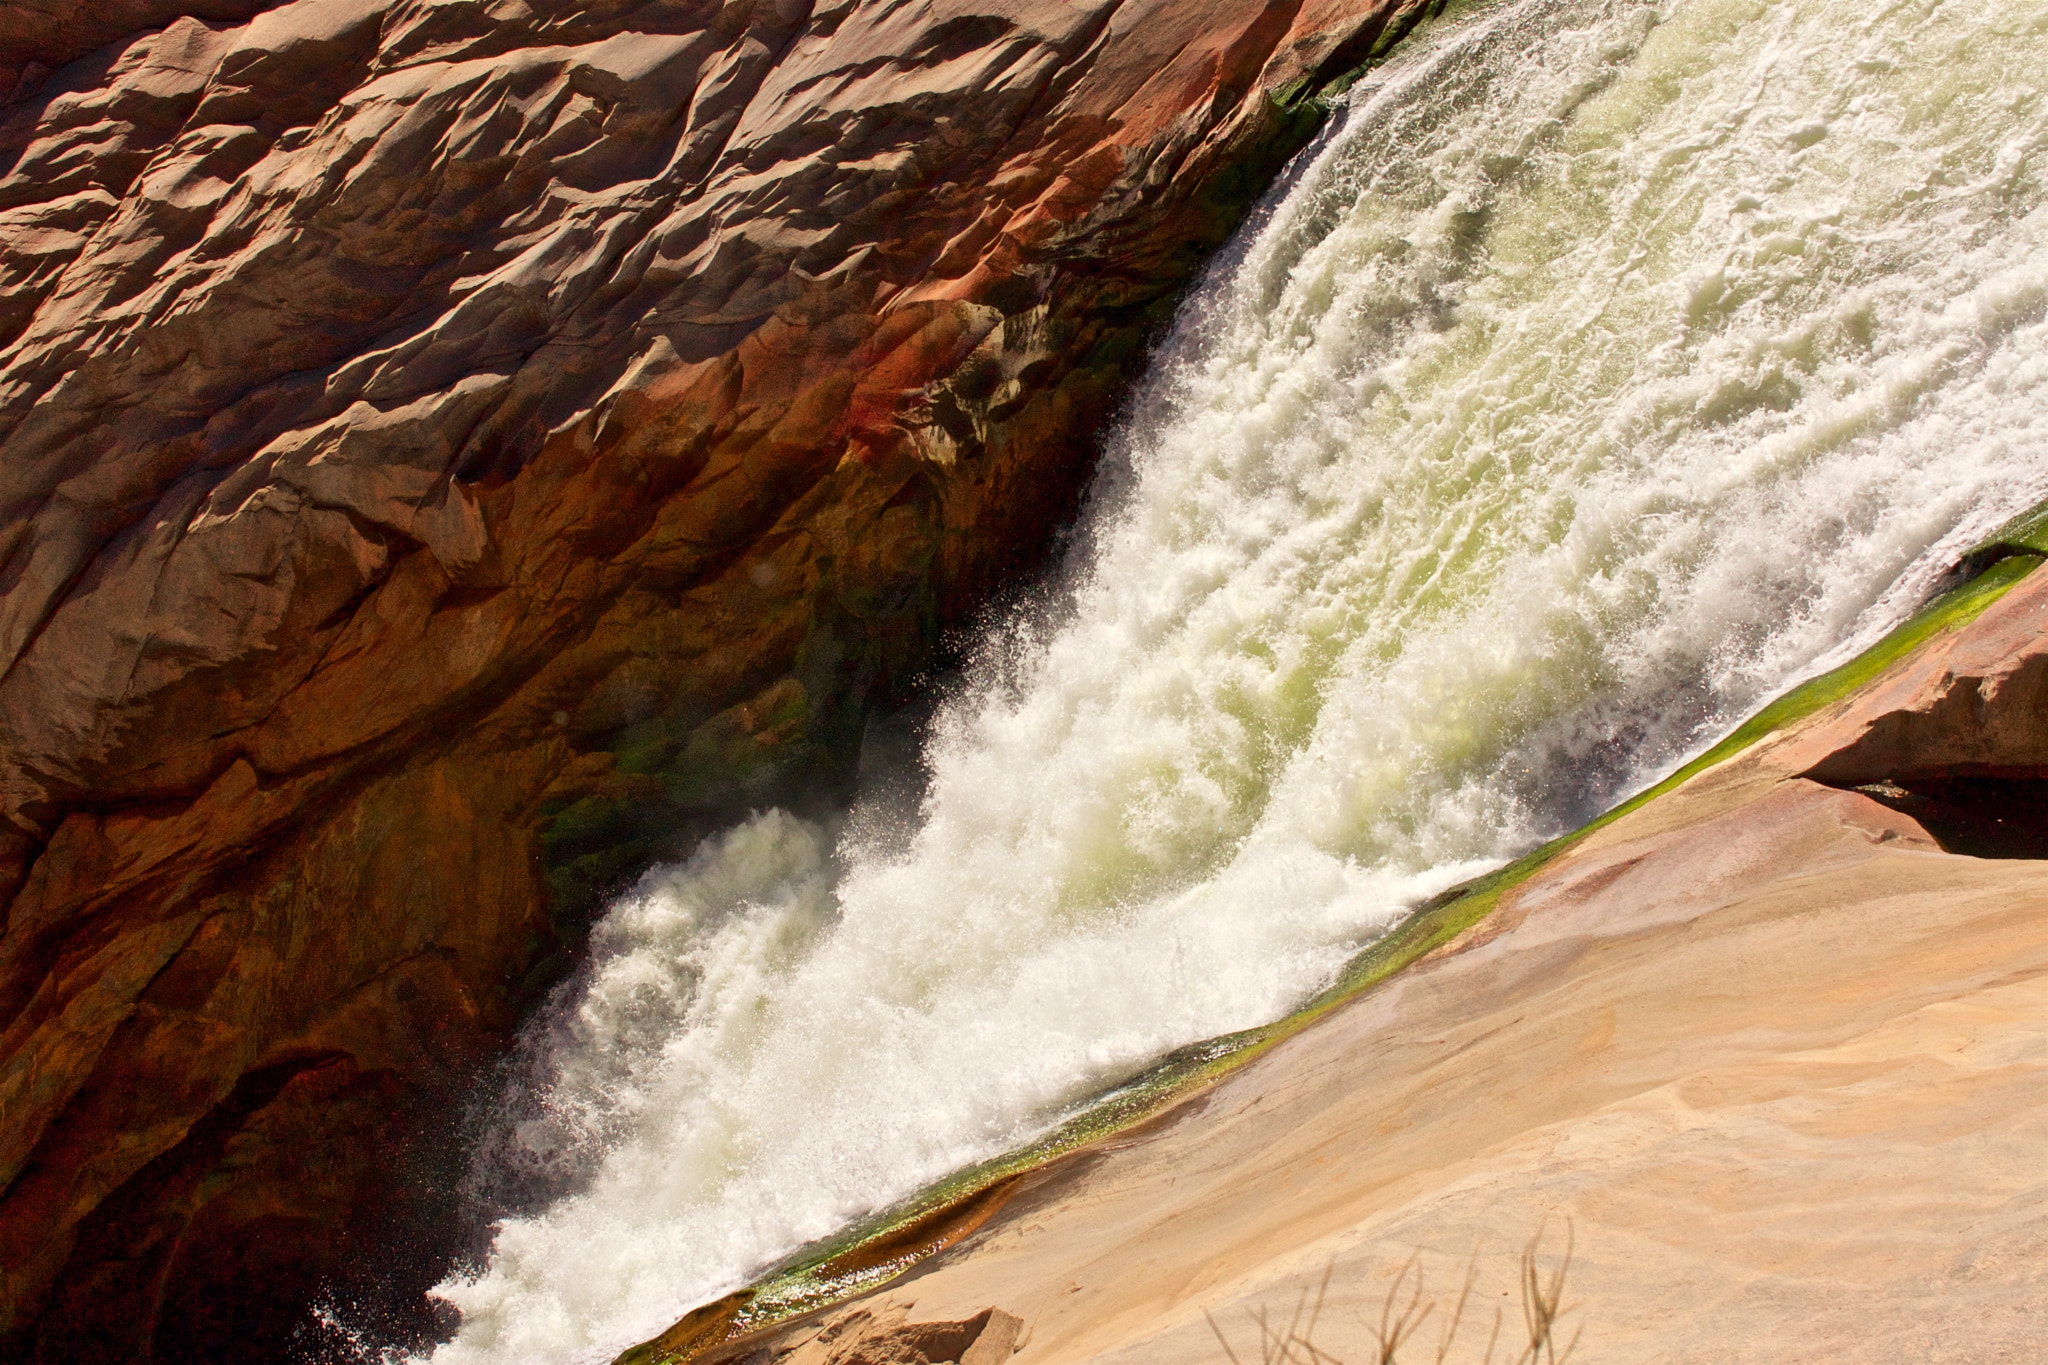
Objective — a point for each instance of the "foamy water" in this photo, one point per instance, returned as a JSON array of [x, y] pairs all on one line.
[[1612, 365]]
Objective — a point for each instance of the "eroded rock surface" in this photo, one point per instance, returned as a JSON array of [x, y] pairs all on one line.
[[449, 446], [864, 1337], [39, 36]]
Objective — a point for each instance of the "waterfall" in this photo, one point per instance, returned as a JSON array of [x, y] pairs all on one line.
[[1609, 366]]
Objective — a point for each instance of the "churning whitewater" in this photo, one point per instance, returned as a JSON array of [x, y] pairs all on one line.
[[1608, 367]]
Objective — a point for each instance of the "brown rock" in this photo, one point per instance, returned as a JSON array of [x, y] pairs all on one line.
[[886, 1338], [37, 36], [1969, 703], [449, 451]]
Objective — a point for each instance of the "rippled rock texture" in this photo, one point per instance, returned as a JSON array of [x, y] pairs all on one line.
[[449, 449]]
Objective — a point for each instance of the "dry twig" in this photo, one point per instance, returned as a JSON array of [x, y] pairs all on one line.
[[1407, 1307]]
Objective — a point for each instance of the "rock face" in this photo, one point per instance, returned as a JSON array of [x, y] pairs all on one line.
[[1779, 1059], [37, 36], [858, 1338], [447, 447]]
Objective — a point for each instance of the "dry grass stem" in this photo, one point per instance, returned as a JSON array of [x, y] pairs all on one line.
[[1543, 1305], [1408, 1306]]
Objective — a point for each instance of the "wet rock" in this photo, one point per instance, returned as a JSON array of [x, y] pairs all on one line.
[[450, 450]]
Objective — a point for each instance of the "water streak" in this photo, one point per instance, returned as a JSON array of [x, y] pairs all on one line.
[[1614, 364]]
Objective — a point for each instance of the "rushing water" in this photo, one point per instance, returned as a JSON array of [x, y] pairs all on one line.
[[1612, 364]]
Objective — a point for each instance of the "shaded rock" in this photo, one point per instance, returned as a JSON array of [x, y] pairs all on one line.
[[865, 1337], [1969, 704], [38, 36], [987, 1338], [450, 450]]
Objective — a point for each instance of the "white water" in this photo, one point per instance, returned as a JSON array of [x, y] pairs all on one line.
[[1615, 364]]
